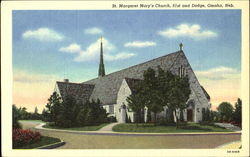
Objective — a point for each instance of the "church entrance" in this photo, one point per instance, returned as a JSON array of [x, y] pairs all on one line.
[[189, 115], [122, 118]]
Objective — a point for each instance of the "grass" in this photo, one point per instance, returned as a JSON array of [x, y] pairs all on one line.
[[150, 128], [38, 121], [45, 140], [85, 128]]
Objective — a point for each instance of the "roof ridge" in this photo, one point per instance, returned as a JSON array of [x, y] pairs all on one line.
[[74, 83], [132, 78], [177, 52]]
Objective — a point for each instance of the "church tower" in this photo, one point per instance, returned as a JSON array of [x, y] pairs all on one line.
[[101, 64]]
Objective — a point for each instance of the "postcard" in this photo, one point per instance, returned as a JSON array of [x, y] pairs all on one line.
[[125, 78]]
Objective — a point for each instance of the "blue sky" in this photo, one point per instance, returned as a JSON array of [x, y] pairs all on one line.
[[66, 43]]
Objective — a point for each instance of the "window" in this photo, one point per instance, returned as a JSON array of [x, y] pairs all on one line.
[[111, 108], [198, 109], [182, 71]]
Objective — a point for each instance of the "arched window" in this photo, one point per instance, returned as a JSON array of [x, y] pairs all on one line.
[[181, 71]]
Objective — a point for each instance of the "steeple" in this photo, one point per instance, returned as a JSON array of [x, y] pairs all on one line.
[[101, 64]]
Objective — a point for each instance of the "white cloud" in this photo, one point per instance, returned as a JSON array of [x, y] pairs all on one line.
[[72, 48], [219, 73], [118, 56], [92, 52], [43, 34], [185, 30], [93, 31], [140, 44]]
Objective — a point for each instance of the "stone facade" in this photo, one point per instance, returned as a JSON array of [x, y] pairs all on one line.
[[121, 108]]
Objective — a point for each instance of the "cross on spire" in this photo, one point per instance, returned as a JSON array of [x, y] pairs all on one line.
[[181, 45]]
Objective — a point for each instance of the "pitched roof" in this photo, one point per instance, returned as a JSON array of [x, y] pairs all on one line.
[[205, 92], [106, 87], [81, 92], [132, 83]]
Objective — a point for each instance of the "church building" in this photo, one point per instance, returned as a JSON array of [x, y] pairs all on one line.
[[113, 89]]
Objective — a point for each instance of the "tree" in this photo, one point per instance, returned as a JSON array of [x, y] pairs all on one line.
[[157, 91], [207, 114], [45, 115], [225, 110], [91, 113], [54, 107], [151, 92], [15, 117], [36, 110], [68, 112], [237, 114], [136, 104], [36, 115], [179, 95]]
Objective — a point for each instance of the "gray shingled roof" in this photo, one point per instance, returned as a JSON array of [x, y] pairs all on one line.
[[81, 92], [132, 83], [106, 87], [205, 92]]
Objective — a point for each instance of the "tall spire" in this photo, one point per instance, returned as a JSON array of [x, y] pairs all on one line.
[[101, 64]]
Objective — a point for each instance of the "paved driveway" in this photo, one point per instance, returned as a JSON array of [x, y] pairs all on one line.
[[76, 140]]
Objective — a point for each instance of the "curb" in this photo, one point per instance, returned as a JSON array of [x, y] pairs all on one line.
[[52, 146]]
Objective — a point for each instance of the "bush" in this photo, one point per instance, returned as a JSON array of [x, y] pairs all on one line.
[[22, 137], [165, 122]]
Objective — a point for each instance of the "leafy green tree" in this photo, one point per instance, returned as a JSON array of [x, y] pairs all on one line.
[[203, 114], [54, 107], [36, 115], [92, 113], [169, 115], [207, 114], [36, 110], [23, 113], [237, 114], [157, 91], [15, 117], [136, 103], [151, 92], [45, 115], [225, 110], [149, 119], [68, 112], [81, 117], [179, 95]]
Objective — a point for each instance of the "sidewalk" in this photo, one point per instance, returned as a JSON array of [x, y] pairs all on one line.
[[108, 127], [228, 126], [231, 145]]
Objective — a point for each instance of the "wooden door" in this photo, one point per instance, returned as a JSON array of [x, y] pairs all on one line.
[[189, 115]]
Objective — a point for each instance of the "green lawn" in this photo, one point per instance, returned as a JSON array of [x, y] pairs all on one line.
[[45, 140], [38, 121], [150, 128], [85, 128]]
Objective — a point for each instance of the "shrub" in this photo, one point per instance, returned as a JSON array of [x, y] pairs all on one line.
[[22, 137]]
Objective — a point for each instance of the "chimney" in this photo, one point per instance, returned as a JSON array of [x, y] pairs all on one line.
[[66, 80]]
